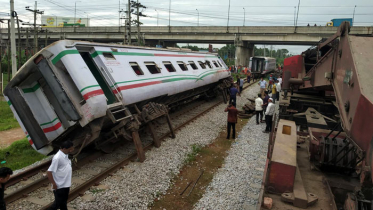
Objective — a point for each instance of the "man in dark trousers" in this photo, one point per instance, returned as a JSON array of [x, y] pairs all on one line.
[[59, 174], [233, 91], [265, 104], [269, 115], [259, 108], [232, 119], [4, 177]]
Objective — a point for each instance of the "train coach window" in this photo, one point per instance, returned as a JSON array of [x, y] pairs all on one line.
[[136, 68], [219, 64], [209, 64], [182, 65], [169, 66], [202, 64], [215, 64], [152, 67], [108, 56], [193, 65]]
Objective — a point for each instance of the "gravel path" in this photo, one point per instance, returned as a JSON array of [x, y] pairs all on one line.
[[138, 184], [237, 184]]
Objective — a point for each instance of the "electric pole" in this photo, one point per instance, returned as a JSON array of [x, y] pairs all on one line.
[[138, 5], [19, 45], [13, 14], [35, 11], [129, 22]]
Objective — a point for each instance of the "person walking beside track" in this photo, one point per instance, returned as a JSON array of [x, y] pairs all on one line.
[[265, 104], [241, 85], [269, 115], [5, 173], [232, 120], [233, 93], [278, 90], [263, 84], [274, 92], [248, 75], [59, 174], [259, 108]]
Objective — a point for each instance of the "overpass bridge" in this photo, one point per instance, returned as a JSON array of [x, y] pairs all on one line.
[[244, 37]]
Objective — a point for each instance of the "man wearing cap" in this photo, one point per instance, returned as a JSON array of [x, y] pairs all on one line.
[[269, 114]]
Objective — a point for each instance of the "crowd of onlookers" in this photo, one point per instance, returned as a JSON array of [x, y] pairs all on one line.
[[264, 103]]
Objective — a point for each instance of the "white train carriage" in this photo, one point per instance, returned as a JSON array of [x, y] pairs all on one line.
[[68, 89], [262, 65]]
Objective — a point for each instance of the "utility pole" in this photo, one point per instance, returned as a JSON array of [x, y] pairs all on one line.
[[229, 8], [8, 45], [46, 38], [198, 18], [138, 24], [1, 58], [169, 17], [353, 16], [244, 11], [35, 11], [129, 22], [13, 38], [27, 45], [19, 45]]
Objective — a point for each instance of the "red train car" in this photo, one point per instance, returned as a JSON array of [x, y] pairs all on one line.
[[295, 64]]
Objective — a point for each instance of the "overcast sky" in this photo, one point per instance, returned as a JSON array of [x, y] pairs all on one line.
[[211, 12]]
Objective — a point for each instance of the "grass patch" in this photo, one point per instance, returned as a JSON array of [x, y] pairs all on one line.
[[192, 156], [7, 120], [96, 190], [21, 154]]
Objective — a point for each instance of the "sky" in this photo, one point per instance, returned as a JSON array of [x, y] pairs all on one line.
[[211, 12]]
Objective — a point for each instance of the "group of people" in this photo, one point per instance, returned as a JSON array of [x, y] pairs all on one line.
[[264, 103], [59, 174]]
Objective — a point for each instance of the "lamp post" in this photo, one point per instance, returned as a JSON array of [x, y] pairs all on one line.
[[198, 18], [75, 13], [169, 14], [229, 7], [157, 16], [353, 16], [244, 11]]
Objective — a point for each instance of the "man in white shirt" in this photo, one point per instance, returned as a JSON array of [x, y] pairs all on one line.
[[241, 85], [259, 108], [278, 90], [59, 174], [279, 80], [269, 115], [263, 84]]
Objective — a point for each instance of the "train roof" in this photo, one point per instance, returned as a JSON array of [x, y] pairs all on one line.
[[263, 57], [72, 43]]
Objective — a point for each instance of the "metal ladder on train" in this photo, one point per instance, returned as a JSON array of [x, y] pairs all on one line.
[[118, 112]]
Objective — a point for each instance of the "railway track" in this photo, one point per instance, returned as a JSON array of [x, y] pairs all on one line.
[[180, 119]]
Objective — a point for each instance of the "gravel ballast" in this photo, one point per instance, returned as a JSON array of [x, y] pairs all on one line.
[[237, 184], [138, 184]]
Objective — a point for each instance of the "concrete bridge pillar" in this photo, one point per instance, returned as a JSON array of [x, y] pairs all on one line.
[[244, 50]]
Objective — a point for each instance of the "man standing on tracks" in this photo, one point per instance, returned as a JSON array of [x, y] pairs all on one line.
[[263, 84], [274, 92], [233, 91], [278, 90], [59, 174], [232, 120], [5, 173], [259, 108], [248, 75], [265, 103], [241, 85], [269, 114]]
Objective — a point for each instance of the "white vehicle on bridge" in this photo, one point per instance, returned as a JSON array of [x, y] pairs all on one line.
[[92, 93], [262, 65]]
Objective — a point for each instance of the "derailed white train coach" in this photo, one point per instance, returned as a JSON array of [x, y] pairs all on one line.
[[91, 93]]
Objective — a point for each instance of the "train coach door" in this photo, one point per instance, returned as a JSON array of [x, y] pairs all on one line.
[[99, 76], [107, 63]]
